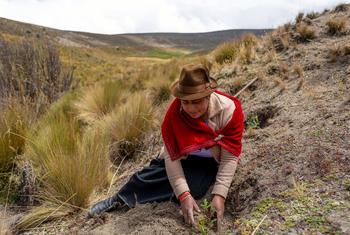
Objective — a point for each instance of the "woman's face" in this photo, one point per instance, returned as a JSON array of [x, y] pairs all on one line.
[[196, 108]]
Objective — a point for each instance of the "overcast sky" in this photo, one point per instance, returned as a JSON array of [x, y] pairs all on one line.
[[137, 16]]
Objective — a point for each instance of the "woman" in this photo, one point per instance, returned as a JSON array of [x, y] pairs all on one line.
[[202, 132]]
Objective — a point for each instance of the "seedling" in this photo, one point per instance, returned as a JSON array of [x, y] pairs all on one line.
[[254, 122], [207, 220]]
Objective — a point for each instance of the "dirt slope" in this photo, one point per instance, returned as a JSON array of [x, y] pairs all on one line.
[[294, 175]]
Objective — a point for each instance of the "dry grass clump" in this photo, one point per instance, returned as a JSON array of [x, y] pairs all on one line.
[[305, 33], [281, 38], [278, 82], [39, 215], [13, 127], [300, 83], [312, 15], [160, 91], [69, 163], [299, 18], [4, 228], [284, 69], [336, 26], [334, 52], [98, 101], [246, 51], [298, 70], [129, 124], [342, 7], [241, 49], [226, 52]]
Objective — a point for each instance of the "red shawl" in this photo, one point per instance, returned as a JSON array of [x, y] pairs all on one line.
[[183, 134]]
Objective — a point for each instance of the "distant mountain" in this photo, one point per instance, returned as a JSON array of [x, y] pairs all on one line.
[[141, 41]]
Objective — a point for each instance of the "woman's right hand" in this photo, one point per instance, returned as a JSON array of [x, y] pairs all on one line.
[[187, 207]]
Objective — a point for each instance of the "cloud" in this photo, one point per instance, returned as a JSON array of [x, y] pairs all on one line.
[[132, 16]]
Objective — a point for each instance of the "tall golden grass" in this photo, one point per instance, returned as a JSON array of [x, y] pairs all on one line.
[[99, 100], [14, 124], [128, 125], [241, 49], [71, 163]]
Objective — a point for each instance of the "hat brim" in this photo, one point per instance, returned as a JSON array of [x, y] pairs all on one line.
[[185, 96]]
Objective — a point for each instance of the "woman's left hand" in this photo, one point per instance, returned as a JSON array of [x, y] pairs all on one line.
[[218, 203]]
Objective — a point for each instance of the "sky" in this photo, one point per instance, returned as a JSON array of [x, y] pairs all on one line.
[[141, 16]]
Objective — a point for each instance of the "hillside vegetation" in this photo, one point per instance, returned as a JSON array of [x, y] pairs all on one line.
[[293, 176]]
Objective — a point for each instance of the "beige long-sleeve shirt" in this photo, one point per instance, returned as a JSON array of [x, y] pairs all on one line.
[[219, 114]]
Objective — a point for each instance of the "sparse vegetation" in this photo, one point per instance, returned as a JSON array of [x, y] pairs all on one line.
[[32, 72]]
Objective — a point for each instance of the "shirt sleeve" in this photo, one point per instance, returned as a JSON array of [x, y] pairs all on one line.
[[226, 171], [175, 174]]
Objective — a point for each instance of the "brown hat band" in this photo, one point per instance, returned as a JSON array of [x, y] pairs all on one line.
[[193, 89]]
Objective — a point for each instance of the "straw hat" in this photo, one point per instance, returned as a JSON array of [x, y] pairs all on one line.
[[194, 83]]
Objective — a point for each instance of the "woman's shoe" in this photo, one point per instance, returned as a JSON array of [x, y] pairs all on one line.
[[106, 205]]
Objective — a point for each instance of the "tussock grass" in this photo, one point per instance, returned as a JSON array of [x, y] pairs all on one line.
[[281, 38], [299, 18], [298, 70], [4, 228], [305, 33], [160, 91], [98, 101], [226, 52], [283, 69], [334, 52], [129, 124], [336, 26], [39, 215], [241, 49], [70, 163], [13, 127], [341, 7], [312, 15]]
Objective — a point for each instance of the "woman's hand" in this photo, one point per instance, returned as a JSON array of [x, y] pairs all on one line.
[[218, 202], [187, 206]]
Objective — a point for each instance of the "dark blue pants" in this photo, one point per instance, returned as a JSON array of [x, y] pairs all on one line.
[[151, 184]]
